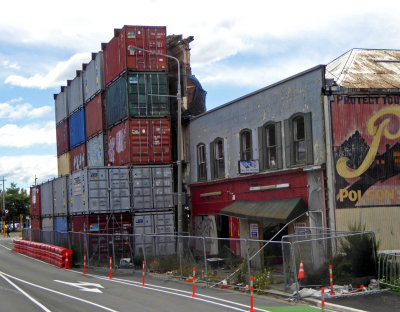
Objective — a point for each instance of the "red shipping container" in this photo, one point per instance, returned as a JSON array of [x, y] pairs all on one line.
[[140, 141], [119, 56], [35, 223], [118, 223], [95, 116], [36, 209], [78, 158], [62, 135]]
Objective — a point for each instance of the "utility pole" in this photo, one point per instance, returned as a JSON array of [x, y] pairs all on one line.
[[4, 205]]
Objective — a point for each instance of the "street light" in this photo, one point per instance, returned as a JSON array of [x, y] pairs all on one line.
[[179, 132]]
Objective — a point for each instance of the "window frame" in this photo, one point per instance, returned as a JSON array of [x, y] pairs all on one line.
[[291, 142], [217, 163], [246, 152], [201, 166], [265, 150]]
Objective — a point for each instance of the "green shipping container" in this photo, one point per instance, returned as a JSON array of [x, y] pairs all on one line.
[[141, 94]]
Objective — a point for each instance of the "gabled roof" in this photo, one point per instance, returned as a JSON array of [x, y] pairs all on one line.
[[366, 68]]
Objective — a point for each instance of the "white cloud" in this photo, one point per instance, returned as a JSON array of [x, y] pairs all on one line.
[[23, 169], [23, 111], [7, 64], [56, 76], [28, 135]]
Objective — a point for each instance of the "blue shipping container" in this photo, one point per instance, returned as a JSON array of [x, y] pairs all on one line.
[[60, 224], [77, 128]]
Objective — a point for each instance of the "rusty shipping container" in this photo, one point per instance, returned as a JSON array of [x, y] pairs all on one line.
[[95, 148], [119, 55], [35, 201], [62, 136], [75, 93], [95, 116], [64, 164], [78, 158], [35, 223], [137, 94], [61, 105], [119, 223], [140, 141], [93, 77]]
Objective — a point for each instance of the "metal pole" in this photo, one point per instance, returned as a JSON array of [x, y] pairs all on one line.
[[179, 133], [205, 260]]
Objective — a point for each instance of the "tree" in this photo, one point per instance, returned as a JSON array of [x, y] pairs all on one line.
[[16, 202]]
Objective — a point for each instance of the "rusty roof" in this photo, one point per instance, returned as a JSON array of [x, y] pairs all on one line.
[[366, 68]]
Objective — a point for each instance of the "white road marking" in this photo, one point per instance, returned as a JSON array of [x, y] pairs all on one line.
[[59, 293], [5, 247], [90, 287], [176, 293], [25, 294]]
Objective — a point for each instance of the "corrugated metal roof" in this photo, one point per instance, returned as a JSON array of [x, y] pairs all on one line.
[[282, 211], [366, 68]]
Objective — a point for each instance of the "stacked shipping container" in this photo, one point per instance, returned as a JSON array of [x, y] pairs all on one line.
[[115, 112]]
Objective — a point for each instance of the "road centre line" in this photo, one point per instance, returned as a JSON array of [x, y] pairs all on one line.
[[60, 293], [25, 293], [176, 293]]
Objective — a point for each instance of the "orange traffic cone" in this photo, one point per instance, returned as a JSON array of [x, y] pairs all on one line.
[[301, 271]]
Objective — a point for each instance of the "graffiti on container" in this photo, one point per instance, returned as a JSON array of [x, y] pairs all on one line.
[[79, 161], [206, 227], [366, 132]]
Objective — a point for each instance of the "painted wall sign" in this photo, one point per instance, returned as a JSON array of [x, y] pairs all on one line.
[[248, 166], [366, 134], [254, 230]]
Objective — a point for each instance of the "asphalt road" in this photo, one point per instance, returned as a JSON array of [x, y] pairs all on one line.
[[27, 284]]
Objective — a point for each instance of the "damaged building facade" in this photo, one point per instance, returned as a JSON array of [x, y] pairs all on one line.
[[318, 149]]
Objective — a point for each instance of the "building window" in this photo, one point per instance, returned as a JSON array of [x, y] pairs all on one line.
[[246, 146], [299, 140], [299, 143], [270, 146], [201, 162], [217, 159]]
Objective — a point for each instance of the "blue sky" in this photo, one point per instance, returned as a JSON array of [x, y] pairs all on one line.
[[238, 48]]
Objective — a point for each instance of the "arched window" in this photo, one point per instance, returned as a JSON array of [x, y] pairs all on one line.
[[270, 146], [201, 162], [217, 159], [298, 140], [246, 146]]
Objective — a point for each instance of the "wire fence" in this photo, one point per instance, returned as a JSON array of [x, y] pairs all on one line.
[[389, 268], [221, 262]]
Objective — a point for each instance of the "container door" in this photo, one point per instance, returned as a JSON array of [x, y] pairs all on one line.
[[163, 187], [142, 188], [119, 189], [143, 224], [97, 186]]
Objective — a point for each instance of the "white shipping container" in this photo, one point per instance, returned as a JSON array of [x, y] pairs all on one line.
[[95, 151], [46, 195], [60, 194], [61, 105], [93, 77]]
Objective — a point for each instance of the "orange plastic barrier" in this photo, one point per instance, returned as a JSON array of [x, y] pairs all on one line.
[[59, 256]]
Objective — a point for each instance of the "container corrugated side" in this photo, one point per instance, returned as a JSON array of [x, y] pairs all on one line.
[[116, 102], [163, 187], [77, 128], [140, 141], [119, 223], [47, 223], [95, 150], [164, 225], [61, 224], [62, 136], [97, 190], [78, 158], [76, 193], [35, 200], [35, 223], [119, 189], [142, 195], [95, 116], [46, 197], [119, 55], [60, 193], [61, 105], [139, 95], [93, 77], [143, 224], [64, 164], [75, 93]]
